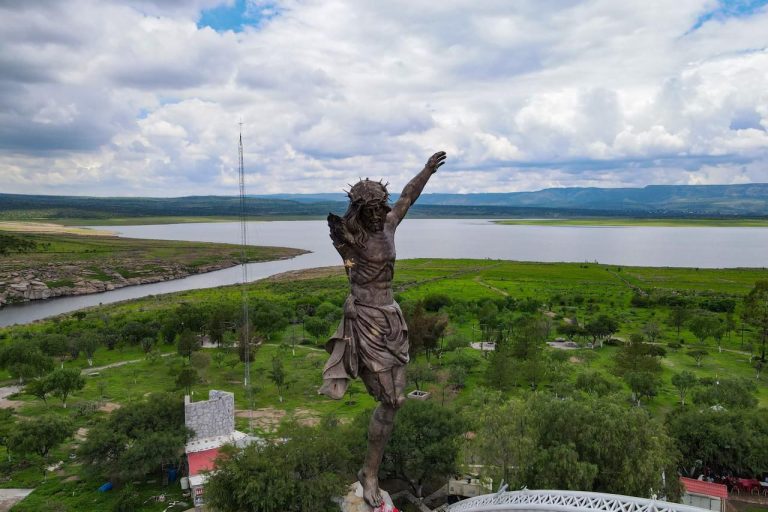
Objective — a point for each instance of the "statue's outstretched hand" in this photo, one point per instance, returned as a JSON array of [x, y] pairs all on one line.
[[436, 161]]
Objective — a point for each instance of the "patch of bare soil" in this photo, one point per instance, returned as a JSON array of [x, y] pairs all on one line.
[[309, 273], [81, 434], [306, 417], [46, 227], [10, 404], [266, 419], [109, 407]]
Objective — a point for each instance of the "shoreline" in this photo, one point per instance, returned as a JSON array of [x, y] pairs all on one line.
[[26, 290], [72, 225]]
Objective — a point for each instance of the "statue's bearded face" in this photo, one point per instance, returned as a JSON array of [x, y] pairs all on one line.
[[373, 215]]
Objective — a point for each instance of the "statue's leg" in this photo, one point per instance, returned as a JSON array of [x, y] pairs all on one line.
[[387, 387]]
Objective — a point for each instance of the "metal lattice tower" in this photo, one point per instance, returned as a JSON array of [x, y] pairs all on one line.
[[246, 328]]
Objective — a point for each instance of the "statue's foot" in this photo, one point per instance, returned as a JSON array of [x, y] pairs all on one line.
[[371, 492]]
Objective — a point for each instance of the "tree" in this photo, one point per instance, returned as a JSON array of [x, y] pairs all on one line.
[[505, 441], [304, 473], [186, 343], [678, 316], [683, 382], [200, 361], [637, 357], [317, 327], [40, 435], [424, 444], [733, 393], [39, 388], [601, 328], [277, 376], [587, 443], [269, 317], [529, 336], [186, 378], [734, 442], [758, 366], [88, 343], [595, 383], [642, 384], [756, 313], [219, 318], [652, 331], [64, 381], [704, 325], [424, 329], [147, 344], [624, 444], [24, 360], [698, 354], [136, 438], [487, 317], [133, 331], [420, 372]]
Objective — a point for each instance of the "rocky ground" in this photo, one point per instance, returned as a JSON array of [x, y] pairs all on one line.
[[63, 279]]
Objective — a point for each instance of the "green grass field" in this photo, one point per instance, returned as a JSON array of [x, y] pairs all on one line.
[[575, 290], [623, 221]]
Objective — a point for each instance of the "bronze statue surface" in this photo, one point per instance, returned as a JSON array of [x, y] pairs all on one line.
[[371, 341]]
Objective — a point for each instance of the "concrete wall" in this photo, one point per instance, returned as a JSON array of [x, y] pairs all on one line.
[[212, 417], [706, 502]]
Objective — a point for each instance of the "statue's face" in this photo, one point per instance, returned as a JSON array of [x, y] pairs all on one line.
[[374, 214]]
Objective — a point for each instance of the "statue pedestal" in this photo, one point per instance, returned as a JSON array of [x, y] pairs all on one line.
[[354, 502]]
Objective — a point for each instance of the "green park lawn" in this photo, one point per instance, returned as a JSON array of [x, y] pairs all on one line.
[[574, 290]]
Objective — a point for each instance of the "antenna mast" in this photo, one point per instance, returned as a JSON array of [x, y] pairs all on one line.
[[244, 285]]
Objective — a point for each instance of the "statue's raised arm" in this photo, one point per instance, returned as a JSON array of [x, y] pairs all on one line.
[[413, 189]]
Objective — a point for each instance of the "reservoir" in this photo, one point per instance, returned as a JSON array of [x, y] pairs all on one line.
[[703, 247]]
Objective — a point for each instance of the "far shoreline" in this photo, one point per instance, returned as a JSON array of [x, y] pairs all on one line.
[[617, 221]]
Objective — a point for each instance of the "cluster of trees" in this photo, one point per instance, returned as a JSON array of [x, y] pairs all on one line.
[[728, 442], [60, 383], [14, 243], [314, 464], [580, 442], [136, 439]]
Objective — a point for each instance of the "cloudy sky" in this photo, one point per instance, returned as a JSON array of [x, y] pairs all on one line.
[[145, 97]]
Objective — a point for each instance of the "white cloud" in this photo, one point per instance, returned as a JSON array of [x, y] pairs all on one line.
[[133, 98]]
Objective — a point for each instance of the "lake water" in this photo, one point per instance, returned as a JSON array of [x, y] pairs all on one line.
[[704, 247]]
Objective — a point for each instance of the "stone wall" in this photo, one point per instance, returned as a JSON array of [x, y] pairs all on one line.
[[212, 417]]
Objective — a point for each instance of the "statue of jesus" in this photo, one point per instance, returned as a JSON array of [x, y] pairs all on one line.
[[371, 341]]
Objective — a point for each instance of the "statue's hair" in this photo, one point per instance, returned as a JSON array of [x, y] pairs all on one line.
[[361, 193], [354, 224]]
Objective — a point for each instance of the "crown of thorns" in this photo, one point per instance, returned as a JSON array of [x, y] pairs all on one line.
[[367, 191]]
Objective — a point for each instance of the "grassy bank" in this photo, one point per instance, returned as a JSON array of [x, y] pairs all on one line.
[[621, 221]]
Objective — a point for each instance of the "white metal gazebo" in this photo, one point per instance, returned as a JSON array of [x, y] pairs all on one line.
[[565, 501]]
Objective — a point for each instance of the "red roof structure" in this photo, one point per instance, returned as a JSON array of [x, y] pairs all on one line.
[[704, 488], [202, 461]]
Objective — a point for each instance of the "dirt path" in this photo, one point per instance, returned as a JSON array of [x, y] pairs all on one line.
[[5, 392], [10, 497], [480, 281], [96, 369], [405, 286]]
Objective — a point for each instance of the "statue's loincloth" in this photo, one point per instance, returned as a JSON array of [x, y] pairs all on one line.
[[369, 338]]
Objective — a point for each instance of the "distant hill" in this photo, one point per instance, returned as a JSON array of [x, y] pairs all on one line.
[[743, 200], [651, 201]]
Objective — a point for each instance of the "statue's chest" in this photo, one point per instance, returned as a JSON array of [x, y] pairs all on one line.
[[380, 248]]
